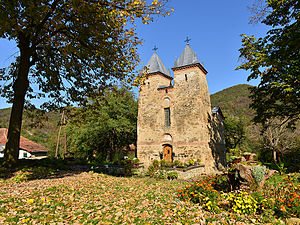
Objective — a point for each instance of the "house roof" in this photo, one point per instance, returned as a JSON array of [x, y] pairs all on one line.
[[25, 144], [155, 65], [188, 58], [216, 110]]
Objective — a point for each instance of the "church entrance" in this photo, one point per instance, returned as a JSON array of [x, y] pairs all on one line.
[[167, 153]]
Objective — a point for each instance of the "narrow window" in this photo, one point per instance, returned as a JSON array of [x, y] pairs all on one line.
[[25, 154], [166, 90], [148, 84], [167, 117], [185, 77]]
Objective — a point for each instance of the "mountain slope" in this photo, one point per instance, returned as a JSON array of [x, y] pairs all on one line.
[[40, 134], [234, 101]]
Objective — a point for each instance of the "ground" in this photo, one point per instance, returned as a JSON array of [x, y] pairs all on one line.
[[91, 198]]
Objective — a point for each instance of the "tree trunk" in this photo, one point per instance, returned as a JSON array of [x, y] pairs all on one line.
[[275, 156], [20, 86]]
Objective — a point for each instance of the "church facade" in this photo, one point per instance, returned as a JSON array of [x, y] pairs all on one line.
[[175, 118]]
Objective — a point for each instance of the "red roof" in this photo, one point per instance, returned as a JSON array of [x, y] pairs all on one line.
[[25, 143]]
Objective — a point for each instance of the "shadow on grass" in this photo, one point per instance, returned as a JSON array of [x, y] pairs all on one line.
[[33, 169]]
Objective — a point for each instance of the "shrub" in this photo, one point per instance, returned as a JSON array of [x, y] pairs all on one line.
[[129, 165], [201, 192], [258, 173], [191, 162], [241, 202], [160, 174], [287, 197], [180, 165], [162, 163], [172, 175], [151, 170], [221, 183]]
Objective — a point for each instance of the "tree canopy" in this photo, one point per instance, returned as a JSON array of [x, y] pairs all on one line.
[[105, 127], [67, 50], [275, 60]]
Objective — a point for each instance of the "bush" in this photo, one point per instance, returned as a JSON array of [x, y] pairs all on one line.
[[221, 183], [241, 202], [129, 165], [258, 173], [202, 192], [172, 175], [286, 197], [151, 170], [160, 174]]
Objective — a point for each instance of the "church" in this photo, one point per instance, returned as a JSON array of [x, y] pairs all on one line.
[[175, 117]]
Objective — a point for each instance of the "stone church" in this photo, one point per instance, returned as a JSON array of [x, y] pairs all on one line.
[[175, 117]]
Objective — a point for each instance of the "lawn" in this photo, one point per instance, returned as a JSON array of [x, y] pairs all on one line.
[[91, 198]]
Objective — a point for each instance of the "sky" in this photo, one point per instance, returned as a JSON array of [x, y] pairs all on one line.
[[214, 28]]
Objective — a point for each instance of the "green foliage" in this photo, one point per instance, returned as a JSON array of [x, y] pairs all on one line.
[[106, 127], [258, 173], [68, 49], [280, 197], [129, 165], [172, 175], [31, 173], [275, 60], [201, 192], [242, 202], [191, 162], [284, 191], [152, 169], [234, 101], [160, 174], [235, 132]]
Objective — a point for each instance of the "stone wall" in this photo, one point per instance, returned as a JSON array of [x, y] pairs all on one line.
[[190, 132]]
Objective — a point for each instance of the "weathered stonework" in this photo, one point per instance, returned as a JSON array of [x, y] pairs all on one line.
[[194, 131]]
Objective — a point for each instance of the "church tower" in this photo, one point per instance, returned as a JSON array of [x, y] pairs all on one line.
[[175, 119]]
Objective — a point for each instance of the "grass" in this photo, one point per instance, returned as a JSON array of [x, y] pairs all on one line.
[[91, 198]]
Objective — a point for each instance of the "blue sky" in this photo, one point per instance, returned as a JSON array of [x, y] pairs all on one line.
[[214, 28]]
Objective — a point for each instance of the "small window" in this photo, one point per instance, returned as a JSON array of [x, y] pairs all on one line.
[[148, 84], [166, 90], [185, 77], [25, 154], [167, 117]]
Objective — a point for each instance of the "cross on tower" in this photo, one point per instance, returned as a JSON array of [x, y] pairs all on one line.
[[187, 40], [155, 48]]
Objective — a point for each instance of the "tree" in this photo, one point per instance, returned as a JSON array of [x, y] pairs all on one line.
[[275, 59], [235, 132], [67, 50], [105, 127], [279, 138]]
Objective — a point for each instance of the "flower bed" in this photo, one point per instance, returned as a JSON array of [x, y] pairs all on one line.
[[275, 201]]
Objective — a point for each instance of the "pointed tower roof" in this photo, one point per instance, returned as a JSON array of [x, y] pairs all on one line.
[[188, 58], [155, 65]]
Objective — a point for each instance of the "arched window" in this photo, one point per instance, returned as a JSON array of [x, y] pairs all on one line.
[[167, 117]]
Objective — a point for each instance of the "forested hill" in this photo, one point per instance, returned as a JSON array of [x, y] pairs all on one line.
[[234, 101], [45, 135]]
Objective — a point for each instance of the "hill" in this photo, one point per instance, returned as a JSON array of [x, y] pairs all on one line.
[[234, 101], [44, 135]]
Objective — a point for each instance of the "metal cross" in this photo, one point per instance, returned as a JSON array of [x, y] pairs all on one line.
[[187, 40], [155, 48]]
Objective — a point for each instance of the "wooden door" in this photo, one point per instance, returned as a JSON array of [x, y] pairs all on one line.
[[167, 153]]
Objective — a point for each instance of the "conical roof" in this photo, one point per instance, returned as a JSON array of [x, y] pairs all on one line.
[[188, 57], [155, 65]]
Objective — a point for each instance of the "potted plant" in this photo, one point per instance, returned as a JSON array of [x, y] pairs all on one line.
[[235, 159], [247, 155]]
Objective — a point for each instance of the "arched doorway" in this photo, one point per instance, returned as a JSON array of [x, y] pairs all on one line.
[[167, 153]]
